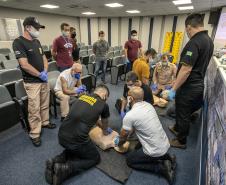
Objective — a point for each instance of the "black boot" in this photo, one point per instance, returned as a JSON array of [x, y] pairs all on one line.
[[167, 172], [50, 166], [62, 171]]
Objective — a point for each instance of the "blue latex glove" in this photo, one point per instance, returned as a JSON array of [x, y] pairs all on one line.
[[109, 130], [154, 87], [80, 89], [43, 76], [122, 114], [168, 87], [171, 94], [116, 140]]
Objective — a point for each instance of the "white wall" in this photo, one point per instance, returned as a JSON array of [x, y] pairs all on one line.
[[119, 27]]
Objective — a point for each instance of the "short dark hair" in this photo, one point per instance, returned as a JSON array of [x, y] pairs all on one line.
[[133, 31], [101, 33], [194, 20], [131, 76], [103, 86], [151, 52], [72, 29], [63, 25]]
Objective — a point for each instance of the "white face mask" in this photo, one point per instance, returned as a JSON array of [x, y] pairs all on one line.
[[33, 32], [150, 60], [164, 63], [101, 38], [134, 37], [65, 33]]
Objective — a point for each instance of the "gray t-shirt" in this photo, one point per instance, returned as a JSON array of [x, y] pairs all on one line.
[[144, 119], [101, 48]]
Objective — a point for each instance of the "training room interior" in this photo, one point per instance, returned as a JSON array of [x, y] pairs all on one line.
[[160, 25]]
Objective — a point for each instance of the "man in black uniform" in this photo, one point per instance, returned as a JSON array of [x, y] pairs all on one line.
[[132, 80], [80, 153], [34, 67], [189, 85]]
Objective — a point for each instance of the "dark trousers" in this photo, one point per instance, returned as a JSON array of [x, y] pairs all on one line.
[[188, 99], [80, 157], [140, 161]]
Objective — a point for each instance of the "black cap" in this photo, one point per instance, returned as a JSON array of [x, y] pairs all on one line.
[[32, 21]]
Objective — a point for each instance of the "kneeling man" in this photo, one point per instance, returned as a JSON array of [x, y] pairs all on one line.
[[152, 154], [80, 153]]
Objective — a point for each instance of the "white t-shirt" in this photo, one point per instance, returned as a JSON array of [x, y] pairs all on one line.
[[71, 81], [144, 119]]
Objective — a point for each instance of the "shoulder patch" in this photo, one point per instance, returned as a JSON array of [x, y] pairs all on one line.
[[189, 53]]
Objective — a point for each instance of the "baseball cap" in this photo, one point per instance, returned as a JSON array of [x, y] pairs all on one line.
[[32, 21]]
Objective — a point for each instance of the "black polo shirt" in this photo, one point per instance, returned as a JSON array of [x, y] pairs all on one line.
[[32, 50], [148, 97], [83, 115], [197, 53]]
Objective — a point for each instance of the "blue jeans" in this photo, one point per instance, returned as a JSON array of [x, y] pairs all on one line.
[[101, 63]]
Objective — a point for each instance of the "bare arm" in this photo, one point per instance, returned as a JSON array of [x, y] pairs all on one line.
[[155, 79], [124, 103], [104, 125], [54, 54], [28, 67], [141, 52], [126, 54], [182, 76], [45, 63], [123, 137], [174, 74], [66, 90]]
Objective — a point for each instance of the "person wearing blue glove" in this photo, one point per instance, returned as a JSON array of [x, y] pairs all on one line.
[[189, 83], [171, 94], [34, 66], [154, 87], [68, 85], [122, 114], [151, 153], [43, 76], [164, 74]]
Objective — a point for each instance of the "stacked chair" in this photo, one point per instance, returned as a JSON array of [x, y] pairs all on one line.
[[47, 52], [88, 79]]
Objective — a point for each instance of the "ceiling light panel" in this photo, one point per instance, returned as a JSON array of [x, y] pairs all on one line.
[[88, 13], [114, 5], [133, 11], [186, 7], [50, 6], [181, 2]]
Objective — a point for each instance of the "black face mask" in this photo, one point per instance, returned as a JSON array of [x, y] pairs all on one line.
[[73, 35]]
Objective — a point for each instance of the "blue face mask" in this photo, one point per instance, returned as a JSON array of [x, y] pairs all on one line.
[[77, 76]]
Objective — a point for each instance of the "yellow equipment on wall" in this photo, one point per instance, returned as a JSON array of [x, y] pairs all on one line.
[[178, 38]]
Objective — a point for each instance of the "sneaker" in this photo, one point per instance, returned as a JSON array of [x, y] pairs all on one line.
[[167, 172], [36, 141], [177, 144], [61, 172], [49, 126], [173, 130]]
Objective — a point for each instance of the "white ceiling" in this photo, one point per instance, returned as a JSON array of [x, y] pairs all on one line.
[[76, 7]]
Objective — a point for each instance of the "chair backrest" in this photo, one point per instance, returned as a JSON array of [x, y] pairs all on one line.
[[2, 57], [110, 54], [85, 60], [120, 48], [84, 70], [10, 75], [90, 51], [5, 96], [82, 44], [10, 64], [92, 58], [52, 66], [111, 49], [117, 53], [83, 53], [20, 90], [122, 52], [52, 78], [84, 47], [45, 48], [11, 56], [5, 51], [117, 60], [90, 47], [116, 48]]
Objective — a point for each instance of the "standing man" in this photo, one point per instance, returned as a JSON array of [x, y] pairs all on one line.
[[34, 67], [80, 153], [75, 52], [132, 49], [62, 48], [151, 153], [141, 66], [68, 84], [100, 49], [189, 84]]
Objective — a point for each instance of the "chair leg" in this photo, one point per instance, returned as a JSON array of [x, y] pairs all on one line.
[[55, 106]]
